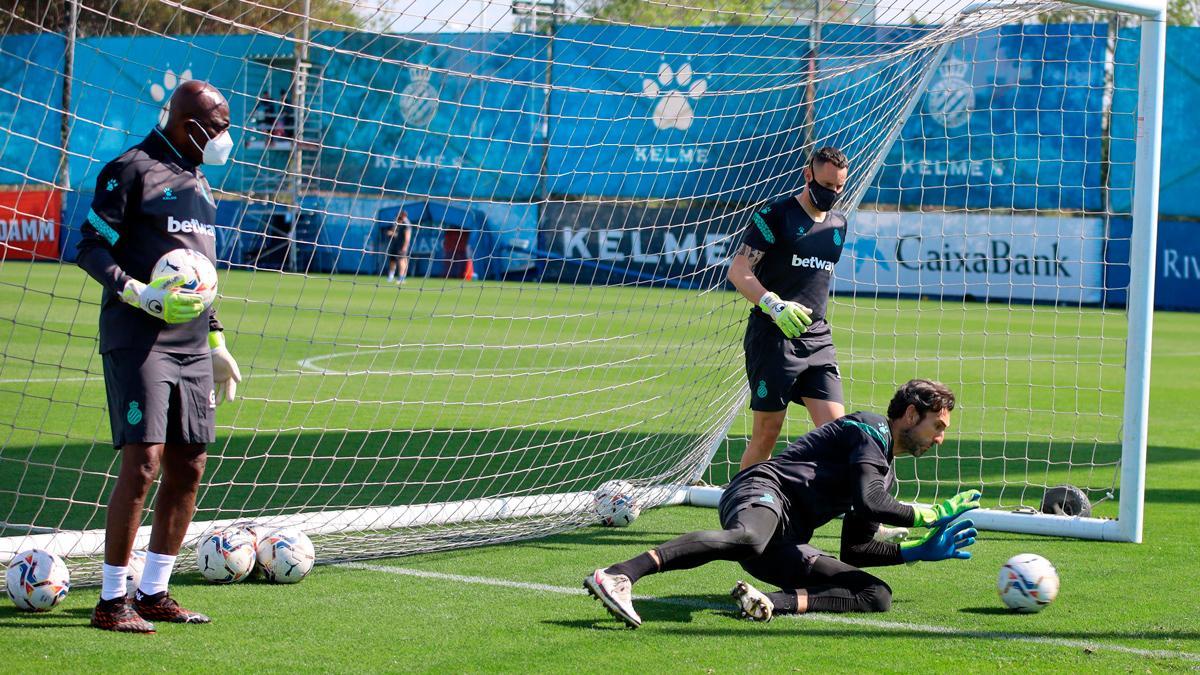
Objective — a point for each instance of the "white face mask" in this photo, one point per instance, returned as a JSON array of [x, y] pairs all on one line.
[[216, 151]]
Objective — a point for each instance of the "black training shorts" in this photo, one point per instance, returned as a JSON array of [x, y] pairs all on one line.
[[158, 397], [781, 370]]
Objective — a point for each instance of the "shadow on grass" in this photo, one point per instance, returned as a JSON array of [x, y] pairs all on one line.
[[59, 617]]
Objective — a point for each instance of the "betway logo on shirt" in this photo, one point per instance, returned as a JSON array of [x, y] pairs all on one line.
[[193, 225], [812, 261]]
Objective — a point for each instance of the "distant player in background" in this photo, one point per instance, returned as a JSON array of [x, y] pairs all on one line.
[[399, 240], [161, 356], [784, 268], [770, 511]]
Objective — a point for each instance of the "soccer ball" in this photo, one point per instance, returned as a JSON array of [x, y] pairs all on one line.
[[1027, 583], [200, 276], [226, 556], [286, 555], [615, 504], [133, 572], [37, 580]]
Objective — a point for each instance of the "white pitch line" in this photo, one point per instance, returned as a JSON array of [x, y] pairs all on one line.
[[823, 618]]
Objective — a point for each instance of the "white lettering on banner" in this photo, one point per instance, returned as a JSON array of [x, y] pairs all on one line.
[[671, 154], [680, 252], [975, 168], [1176, 266], [680, 249], [812, 261], [420, 161], [193, 225], [575, 243], [716, 249], [610, 244], [29, 229]]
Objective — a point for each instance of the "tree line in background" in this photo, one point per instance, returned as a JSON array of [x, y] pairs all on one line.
[[131, 17]]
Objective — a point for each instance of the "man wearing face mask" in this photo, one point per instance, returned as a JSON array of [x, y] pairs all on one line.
[[784, 268], [161, 356]]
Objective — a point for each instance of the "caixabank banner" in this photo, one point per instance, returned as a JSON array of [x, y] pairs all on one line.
[[29, 221], [994, 257]]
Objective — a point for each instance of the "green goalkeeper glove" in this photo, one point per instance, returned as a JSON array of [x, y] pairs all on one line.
[[947, 510], [792, 318], [160, 299], [941, 543], [226, 373]]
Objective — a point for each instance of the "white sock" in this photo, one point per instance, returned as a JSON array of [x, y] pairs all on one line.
[[391, 277], [113, 584], [156, 573]]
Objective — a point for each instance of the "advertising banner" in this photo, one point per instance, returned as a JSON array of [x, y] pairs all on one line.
[[29, 224], [596, 243], [994, 257]]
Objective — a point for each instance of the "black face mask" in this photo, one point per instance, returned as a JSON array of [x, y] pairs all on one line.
[[822, 197]]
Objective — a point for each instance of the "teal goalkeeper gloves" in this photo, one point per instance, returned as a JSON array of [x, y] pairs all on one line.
[[941, 543], [946, 511], [792, 318], [226, 373], [161, 300]]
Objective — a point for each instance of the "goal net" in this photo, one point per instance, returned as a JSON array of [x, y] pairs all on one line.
[[576, 177]]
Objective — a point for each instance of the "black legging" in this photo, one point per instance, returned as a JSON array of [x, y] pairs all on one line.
[[746, 535], [749, 538], [831, 585]]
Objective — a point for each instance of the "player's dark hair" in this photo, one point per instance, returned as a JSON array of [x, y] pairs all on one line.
[[830, 155], [924, 395]]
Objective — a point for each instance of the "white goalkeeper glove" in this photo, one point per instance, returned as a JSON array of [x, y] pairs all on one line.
[[792, 318], [161, 300], [226, 373]]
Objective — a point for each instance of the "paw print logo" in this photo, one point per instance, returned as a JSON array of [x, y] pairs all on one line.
[[674, 108], [111, 184], [161, 92]]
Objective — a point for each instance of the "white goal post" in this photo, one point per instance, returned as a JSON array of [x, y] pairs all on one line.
[[576, 180]]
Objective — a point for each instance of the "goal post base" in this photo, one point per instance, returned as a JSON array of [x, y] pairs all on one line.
[[988, 519]]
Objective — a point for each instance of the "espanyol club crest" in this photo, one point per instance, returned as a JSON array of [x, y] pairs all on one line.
[[418, 100], [951, 98]]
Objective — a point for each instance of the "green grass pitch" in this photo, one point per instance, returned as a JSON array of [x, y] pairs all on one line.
[[520, 606]]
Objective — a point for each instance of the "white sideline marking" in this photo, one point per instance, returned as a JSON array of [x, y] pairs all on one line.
[[823, 618]]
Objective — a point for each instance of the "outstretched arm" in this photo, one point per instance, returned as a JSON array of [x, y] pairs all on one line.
[[872, 501], [859, 547]]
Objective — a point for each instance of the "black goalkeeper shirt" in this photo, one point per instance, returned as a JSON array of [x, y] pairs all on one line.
[[148, 201], [845, 466], [798, 253]]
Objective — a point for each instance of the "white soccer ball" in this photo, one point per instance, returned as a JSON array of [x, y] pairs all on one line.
[[133, 572], [286, 555], [1027, 583], [37, 580], [226, 556], [200, 276], [615, 503]]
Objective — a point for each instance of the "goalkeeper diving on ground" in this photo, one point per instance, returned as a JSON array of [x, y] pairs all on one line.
[[770, 511]]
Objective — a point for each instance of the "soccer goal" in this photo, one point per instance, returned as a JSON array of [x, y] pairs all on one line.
[[576, 177]]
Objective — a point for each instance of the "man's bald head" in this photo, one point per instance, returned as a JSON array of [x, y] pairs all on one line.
[[196, 105]]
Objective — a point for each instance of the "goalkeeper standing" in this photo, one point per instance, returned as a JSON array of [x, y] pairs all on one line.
[[161, 356], [784, 267], [770, 511]]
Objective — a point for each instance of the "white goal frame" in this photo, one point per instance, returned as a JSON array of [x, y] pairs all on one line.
[[1128, 527], [1140, 305]]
